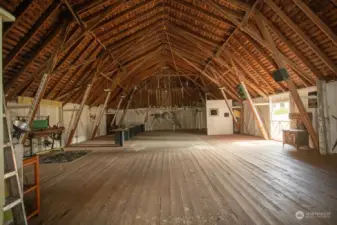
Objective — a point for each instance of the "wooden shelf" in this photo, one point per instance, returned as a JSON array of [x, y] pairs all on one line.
[[33, 213], [29, 188], [35, 186]]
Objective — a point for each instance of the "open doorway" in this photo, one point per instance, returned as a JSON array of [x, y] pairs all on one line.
[[279, 119]]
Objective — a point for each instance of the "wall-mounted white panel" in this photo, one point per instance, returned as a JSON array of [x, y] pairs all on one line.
[[219, 118]]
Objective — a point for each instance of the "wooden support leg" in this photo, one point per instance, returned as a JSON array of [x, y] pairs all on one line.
[[322, 123], [229, 107], [36, 104], [117, 110], [121, 121], [255, 113], [78, 115], [304, 115], [251, 104], [100, 115], [242, 119]]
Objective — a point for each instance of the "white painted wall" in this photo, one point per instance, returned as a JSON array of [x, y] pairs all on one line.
[[188, 118], [86, 123], [219, 125]]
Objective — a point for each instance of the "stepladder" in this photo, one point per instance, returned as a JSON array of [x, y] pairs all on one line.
[[14, 209]]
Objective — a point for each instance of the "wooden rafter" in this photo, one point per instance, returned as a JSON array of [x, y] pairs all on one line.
[[319, 23], [291, 85], [303, 36], [202, 32], [35, 55]]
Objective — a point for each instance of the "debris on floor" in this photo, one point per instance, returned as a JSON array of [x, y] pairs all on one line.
[[62, 156]]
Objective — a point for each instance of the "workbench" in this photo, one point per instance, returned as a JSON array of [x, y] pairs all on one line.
[[54, 133], [126, 133]]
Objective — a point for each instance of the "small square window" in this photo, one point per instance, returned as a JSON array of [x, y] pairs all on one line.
[[213, 112], [226, 114]]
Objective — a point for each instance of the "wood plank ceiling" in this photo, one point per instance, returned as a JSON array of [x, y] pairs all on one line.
[[189, 41]]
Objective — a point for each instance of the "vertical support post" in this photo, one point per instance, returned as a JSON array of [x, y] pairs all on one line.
[[270, 104], [117, 110], [242, 119], [99, 118], [121, 121], [251, 104], [255, 113], [229, 107], [61, 120], [36, 104], [78, 115], [4, 17], [2, 172], [322, 130], [292, 87]]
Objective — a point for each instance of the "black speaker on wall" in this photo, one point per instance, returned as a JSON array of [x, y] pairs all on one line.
[[280, 75]]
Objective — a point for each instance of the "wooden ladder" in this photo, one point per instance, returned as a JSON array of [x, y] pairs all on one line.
[[13, 195]]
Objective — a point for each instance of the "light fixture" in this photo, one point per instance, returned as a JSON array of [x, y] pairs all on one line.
[[19, 128]]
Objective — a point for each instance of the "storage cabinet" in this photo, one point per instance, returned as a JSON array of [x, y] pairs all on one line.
[[296, 138]]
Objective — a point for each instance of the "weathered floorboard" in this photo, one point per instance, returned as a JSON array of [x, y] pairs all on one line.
[[174, 178]]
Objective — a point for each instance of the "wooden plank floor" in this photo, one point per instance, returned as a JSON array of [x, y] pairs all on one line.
[[180, 178]]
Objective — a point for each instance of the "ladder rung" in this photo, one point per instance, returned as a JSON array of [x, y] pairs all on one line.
[[12, 202], [7, 145], [10, 174]]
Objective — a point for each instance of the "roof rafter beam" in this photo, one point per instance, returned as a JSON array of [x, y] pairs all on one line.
[[102, 23], [314, 18], [211, 15], [136, 35], [31, 33], [292, 88], [303, 36], [88, 30], [57, 90], [243, 23], [157, 16], [175, 9], [96, 99], [19, 13], [260, 65], [55, 32], [253, 34]]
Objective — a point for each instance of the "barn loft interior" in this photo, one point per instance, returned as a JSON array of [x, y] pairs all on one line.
[[142, 112]]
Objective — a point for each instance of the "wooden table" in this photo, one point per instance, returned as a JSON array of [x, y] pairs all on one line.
[[55, 133], [35, 186], [126, 133], [296, 138]]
